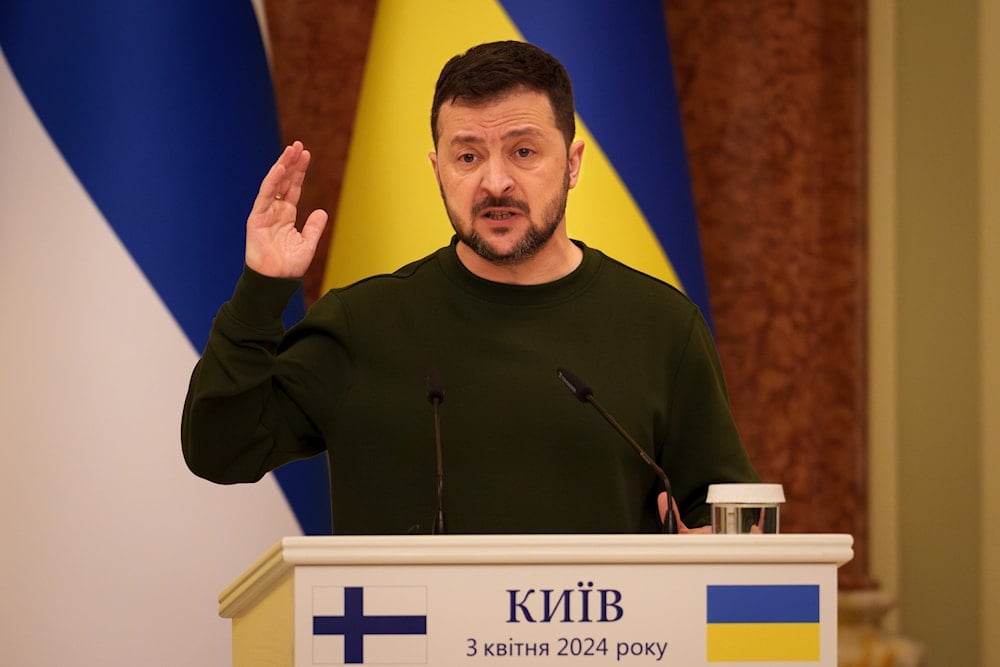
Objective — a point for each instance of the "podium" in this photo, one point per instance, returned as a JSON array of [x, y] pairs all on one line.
[[444, 600]]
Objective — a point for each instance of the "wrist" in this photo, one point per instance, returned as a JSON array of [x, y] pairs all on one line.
[[260, 300]]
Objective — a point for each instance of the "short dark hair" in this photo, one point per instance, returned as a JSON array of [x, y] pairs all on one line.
[[489, 71]]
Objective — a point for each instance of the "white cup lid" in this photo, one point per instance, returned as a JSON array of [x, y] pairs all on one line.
[[745, 494]]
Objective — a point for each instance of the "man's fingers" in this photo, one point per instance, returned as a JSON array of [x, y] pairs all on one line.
[[296, 174], [283, 180], [270, 188], [315, 224]]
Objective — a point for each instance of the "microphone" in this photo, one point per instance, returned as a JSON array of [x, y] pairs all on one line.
[[585, 394], [435, 395]]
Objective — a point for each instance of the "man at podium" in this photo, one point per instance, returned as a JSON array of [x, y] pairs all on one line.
[[488, 318]]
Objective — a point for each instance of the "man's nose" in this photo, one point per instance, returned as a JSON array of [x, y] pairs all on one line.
[[497, 177]]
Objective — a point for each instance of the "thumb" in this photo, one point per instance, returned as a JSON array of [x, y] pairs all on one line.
[[313, 228]]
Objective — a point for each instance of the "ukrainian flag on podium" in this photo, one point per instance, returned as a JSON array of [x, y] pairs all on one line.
[[763, 623]]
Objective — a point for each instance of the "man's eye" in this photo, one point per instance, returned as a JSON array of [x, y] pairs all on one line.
[[467, 158], [524, 152]]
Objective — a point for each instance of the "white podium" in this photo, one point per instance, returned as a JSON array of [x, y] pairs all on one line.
[[444, 600]]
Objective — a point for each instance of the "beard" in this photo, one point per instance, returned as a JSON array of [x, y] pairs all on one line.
[[531, 241]]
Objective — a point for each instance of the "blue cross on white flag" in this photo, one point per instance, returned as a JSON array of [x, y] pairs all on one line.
[[369, 625]]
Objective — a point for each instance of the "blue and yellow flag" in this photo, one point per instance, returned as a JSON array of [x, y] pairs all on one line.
[[763, 623]]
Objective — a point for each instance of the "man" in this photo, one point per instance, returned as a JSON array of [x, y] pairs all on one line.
[[495, 313]]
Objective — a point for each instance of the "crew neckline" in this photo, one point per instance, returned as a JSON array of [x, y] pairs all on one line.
[[541, 294]]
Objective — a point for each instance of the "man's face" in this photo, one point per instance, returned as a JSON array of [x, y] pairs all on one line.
[[504, 174]]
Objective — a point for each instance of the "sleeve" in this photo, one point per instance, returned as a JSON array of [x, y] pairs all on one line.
[[241, 416], [704, 444]]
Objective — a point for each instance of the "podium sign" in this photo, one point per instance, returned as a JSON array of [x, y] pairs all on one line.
[[530, 600]]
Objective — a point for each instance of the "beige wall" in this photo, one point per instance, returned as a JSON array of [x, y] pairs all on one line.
[[935, 321]]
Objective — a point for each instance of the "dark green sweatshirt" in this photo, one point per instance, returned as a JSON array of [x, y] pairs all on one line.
[[520, 453]]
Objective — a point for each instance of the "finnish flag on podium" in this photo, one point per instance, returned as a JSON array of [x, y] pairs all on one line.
[[379, 625]]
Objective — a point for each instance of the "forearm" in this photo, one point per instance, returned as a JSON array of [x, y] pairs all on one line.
[[236, 423]]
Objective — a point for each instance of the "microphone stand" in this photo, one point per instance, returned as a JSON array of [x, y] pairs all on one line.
[[435, 394], [585, 394]]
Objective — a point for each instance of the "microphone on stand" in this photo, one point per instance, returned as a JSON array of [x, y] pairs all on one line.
[[435, 395], [586, 395]]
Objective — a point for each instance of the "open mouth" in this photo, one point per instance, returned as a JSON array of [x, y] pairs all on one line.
[[498, 216], [500, 209]]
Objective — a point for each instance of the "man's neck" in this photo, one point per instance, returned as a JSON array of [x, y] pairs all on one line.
[[556, 260]]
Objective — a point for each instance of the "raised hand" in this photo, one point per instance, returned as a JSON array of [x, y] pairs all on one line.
[[275, 246]]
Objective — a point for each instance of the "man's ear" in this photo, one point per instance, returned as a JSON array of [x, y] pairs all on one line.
[[575, 160], [432, 156]]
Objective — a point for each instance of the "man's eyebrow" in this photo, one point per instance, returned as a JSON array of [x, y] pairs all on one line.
[[515, 133], [518, 132], [460, 139]]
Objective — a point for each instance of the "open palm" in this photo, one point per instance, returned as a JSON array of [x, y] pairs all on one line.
[[276, 247]]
